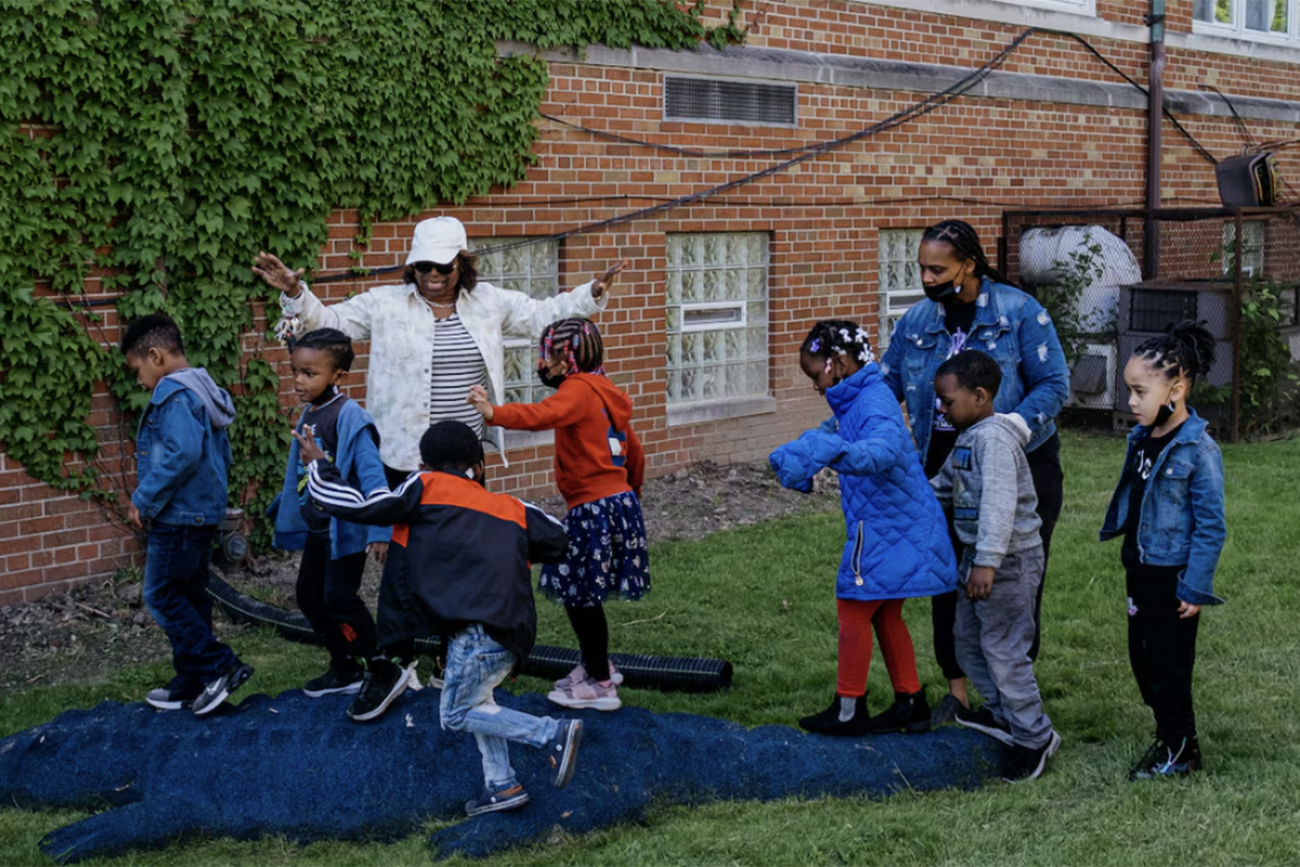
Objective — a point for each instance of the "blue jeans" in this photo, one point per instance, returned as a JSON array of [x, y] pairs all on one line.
[[476, 665], [175, 573]]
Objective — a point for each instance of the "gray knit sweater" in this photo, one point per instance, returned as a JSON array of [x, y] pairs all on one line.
[[987, 483]]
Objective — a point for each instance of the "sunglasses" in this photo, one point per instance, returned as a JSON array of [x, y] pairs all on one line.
[[426, 267]]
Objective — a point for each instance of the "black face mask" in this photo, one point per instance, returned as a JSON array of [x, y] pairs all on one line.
[[943, 291], [1165, 413], [548, 380]]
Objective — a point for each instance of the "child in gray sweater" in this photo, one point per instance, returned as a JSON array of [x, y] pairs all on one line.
[[987, 482]]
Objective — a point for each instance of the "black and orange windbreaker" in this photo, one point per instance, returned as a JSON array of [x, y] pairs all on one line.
[[460, 555]]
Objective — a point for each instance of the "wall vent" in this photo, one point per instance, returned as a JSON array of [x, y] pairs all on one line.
[[721, 100]]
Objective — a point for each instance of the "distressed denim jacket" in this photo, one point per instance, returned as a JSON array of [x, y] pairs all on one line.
[[1011, 327], [1182, 521]]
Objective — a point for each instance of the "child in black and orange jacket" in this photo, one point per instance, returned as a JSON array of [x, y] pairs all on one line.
[[458, 566], [599, 467]]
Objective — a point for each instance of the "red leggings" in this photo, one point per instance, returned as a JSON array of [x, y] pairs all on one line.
[[856, 619]]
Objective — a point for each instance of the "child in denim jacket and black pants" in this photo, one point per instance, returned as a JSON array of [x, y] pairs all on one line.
[[1169, 509], [182, 465]]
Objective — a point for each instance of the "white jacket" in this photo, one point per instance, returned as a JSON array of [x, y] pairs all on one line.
[[399, 325]]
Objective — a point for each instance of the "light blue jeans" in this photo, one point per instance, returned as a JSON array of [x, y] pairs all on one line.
[[476, 665]]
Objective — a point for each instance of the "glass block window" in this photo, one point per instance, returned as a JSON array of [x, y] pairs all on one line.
[[1252, 248], [533, 269], [716, 316], [900, 279]]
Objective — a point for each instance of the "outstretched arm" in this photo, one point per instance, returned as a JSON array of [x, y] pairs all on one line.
[[336, 497]]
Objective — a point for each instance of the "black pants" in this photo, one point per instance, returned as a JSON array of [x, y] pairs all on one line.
[[394, 642], [327, 595], [1162, 649], [592, 629], [1045, 468]]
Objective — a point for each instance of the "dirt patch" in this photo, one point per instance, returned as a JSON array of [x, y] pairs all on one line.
[[99, 628]]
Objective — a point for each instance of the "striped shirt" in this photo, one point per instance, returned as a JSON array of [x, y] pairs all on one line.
[[457, 366]]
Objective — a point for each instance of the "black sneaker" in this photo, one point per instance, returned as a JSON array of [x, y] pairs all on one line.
[[171, 698], [984, 722], [383, 682], [489, 801], [1024, 763], [909, 713], [221, 688], [846, 717], [1165, 760], [562, 753], [346, 680], [946, 711]]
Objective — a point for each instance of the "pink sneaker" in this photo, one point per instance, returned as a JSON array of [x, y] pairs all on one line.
[[587, 693], [579, 674]]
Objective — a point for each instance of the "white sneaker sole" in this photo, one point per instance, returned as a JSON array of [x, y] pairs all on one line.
[[350, 689], [997, 734], [563, 699], [168, 705], [398, 688]]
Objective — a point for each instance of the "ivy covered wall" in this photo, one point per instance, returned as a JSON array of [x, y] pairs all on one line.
[[160, 145]]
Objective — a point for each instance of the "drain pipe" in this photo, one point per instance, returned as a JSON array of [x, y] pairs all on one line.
[[1155, 120]]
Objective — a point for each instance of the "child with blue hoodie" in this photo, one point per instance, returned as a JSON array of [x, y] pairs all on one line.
[[897, 544], [182, 468], [1169, 509], [333, 551]]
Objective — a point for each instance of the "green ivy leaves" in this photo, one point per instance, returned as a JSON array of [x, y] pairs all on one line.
[[157, 146]]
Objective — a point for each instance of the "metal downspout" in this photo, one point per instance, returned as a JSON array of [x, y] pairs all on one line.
[[1155, 119]]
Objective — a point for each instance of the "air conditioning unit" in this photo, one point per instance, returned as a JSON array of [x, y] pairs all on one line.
[[1148, 308], [1092, 381]]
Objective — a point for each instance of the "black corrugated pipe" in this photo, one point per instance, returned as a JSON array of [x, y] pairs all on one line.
[[1155, 118], [664, 673]]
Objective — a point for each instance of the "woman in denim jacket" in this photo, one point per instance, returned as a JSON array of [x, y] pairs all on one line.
[[970, 305], [1169, 509]]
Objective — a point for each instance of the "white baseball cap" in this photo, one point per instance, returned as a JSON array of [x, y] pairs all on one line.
[[437, 240]]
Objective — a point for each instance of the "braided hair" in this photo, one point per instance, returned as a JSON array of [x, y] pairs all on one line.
[[330, 340], [965, 242], [578, 340], [1185, 349], [832, 337]]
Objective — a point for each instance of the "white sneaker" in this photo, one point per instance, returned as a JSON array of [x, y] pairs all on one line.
[[587, 694], [579, 674]]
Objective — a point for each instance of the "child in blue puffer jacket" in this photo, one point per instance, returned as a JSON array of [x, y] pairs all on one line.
[[897, 537]]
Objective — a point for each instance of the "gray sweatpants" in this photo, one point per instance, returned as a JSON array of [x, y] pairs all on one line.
[[993, 637]]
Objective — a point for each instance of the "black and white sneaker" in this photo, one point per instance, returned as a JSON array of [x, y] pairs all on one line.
[[562, 753], [384, 681], [221, 688], [489, 801], [1168, 759], [336, 681], [1024, 763], [170, 698], [984, 722]]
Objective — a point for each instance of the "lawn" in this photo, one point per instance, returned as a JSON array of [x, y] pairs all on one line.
[[762, 597]]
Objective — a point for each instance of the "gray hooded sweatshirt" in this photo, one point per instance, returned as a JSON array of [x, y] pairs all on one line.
[[987, 482], [221, 409]]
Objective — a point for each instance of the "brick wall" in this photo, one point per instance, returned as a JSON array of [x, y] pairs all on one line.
[[969, 159]]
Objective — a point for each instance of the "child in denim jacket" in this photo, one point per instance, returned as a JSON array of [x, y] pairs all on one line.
[[182, 464], [1169, 509]]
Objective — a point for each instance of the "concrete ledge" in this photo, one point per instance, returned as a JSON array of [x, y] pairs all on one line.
[[773, 64], [528, 439], [719, 410]]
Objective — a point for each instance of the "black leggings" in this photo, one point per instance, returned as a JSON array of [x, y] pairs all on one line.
[[327, 595], [1162, 649], [1045, 468], [592, 629]]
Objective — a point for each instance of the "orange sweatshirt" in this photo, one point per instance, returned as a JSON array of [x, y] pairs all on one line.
[[587, 413]]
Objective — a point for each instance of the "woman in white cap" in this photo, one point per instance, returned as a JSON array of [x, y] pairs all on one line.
[[433, 337]]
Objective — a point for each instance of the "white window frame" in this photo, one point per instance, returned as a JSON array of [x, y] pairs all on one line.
[[533, 390], [1238, 29], [1252, 247], [992, 10], [678, 332], [895, 301]]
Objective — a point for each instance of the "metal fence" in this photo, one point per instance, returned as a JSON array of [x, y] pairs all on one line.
[[1113, 278]]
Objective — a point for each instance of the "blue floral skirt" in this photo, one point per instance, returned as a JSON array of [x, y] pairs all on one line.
[[608, 555]]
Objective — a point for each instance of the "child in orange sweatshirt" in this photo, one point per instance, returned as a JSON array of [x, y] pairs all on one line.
[[599, 467]]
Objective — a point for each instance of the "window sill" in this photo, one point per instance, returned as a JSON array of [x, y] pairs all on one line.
[[719, 410], [528, 439]]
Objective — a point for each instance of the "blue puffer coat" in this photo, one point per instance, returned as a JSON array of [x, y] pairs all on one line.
[[898, 541]]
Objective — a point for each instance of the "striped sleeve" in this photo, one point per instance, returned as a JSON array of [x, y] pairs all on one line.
[[380, 507]]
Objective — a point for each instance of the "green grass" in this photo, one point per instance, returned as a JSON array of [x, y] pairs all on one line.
[[762, 597]]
